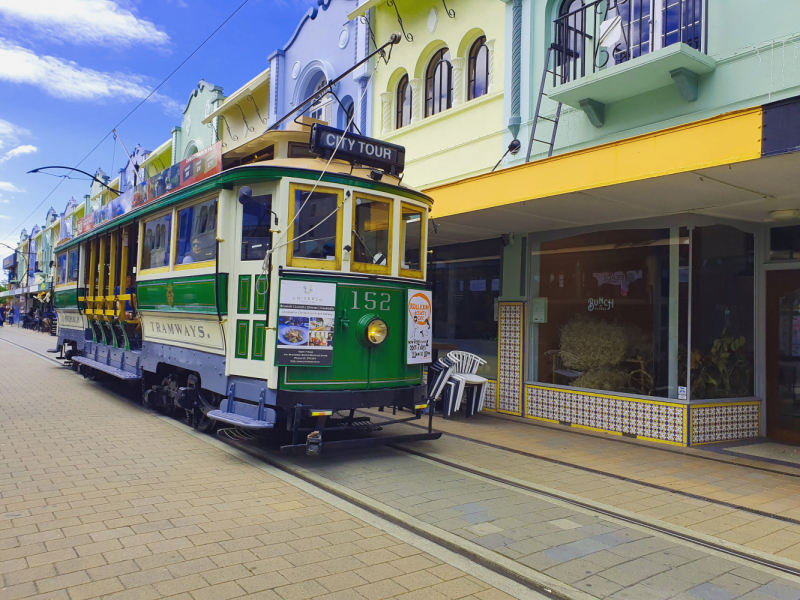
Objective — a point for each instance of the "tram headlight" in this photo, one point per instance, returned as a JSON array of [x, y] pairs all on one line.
[[377, 331]]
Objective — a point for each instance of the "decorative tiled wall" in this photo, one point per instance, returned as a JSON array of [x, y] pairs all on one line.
[[490, 402], [658, 421], [510, 355], [721, 422]]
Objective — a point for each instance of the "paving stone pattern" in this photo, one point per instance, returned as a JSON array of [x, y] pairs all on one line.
[[589, 552], [101, 499]]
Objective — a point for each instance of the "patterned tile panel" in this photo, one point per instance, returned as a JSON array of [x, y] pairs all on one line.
[[663, 422], [722, 422], [490, 402], [510, 356]]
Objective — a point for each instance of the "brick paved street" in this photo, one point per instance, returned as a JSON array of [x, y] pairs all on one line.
[[98, 498]]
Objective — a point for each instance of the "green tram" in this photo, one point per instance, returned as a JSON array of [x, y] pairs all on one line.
[[284, 293]]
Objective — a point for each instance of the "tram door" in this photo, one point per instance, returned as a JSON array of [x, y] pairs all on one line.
[[248, 305]]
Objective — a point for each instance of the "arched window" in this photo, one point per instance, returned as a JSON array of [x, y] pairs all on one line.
[[439, 83], [403, 103], [478, 69], [347, 109], [321, 107]]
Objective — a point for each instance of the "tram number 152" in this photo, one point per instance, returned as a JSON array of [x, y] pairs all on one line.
[[371, 302]]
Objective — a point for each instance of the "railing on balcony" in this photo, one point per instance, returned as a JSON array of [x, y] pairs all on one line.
[[592, 36]]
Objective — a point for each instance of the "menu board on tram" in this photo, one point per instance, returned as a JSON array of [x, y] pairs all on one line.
[[306, 314]]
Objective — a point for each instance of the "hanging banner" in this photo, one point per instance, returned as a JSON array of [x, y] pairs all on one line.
[[419, 343], [305, 324]]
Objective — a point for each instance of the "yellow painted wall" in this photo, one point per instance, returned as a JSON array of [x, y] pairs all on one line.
[[467, 139]]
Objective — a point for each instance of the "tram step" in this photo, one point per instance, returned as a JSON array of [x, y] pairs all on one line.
[[52, 350], [239, 420], [119, 373]]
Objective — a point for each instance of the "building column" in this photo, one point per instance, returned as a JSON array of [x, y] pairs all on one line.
[[458, 80], [490, 48], [515, 121], [417, 99], [386, 106]]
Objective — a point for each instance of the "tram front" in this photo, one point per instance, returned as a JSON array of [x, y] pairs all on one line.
[[349, 315]]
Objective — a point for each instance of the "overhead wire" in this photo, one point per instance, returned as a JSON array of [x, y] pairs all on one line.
[[133, 110]]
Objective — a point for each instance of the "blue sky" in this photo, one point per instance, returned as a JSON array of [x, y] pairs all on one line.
[[71, 69]]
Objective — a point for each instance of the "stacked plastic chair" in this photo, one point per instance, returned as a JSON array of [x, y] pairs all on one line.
[[453, 376]]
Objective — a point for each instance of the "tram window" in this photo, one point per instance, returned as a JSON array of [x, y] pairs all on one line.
[[411, 223], [314, 229], [371, 231], [197, 233], [156, 240], [72, 272], [61, 272], [256, 220]]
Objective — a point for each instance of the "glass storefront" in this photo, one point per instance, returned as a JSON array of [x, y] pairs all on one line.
[[466, 287]]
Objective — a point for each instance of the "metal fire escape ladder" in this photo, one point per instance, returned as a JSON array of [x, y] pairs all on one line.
[[537, 116]]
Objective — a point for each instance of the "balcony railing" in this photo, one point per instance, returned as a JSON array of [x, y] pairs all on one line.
[[604, 33]]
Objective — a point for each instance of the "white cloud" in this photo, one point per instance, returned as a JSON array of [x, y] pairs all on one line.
[[10, 133], [98, 22], [68, 80], [4, 217], [19, 151], [7, 186]]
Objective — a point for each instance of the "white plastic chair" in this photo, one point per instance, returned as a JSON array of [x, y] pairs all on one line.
[[465, 365]]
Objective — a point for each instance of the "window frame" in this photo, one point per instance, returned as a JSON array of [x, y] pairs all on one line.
[[472, 66], [65, 256], [315, 263], [403, 88], [430, 75], [373, 269], [146, 219], [423, 251], [174, 253]]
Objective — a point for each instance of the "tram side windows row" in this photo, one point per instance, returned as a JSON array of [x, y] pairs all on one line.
[[156, 242], [256, 222], [72, 267], [411, 224], [61, 269], [197, 233]]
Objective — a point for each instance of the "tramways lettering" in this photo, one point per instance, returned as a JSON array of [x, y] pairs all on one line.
[[178, 329]]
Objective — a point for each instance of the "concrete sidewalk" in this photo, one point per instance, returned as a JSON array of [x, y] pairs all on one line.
[[99, 498]]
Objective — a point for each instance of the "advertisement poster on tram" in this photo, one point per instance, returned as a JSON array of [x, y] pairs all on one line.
[[305, 324], [419, 344]]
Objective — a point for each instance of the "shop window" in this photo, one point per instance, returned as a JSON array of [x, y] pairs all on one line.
[[156, 242], [197, 233], [72, 271], [722, 313], [439, 83], [784, 243], [411, 224], [478, 69], [372, 224], [314, 230], [465, 279], [256, 221], [61, 269], [609, 311], [403, 103]]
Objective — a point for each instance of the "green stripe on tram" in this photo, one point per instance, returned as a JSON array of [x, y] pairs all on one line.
[[184, 294], [259, 340], [243, 300], [261, 287], [242, 337]]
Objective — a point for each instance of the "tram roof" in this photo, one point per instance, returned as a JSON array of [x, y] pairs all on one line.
[[298, 168]]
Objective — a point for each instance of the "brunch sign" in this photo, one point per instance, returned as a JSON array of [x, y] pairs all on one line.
[[419, 347], [305, 323]]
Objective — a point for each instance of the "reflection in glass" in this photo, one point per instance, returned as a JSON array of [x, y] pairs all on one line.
[[315, 225], [789, 355], [197, 233], [371, 231], [155, 249], [411, 223], [256, 238], [72, 273], [61, 272]]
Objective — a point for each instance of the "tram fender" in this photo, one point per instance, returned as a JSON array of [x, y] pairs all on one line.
[[346, 399], [210, 367]]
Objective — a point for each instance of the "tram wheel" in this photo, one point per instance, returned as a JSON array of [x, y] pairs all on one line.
[[206, 399]]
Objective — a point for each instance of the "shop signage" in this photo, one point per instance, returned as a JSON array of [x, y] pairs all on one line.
[[9, 262], [192, 332], [306, 315], [357, 149], [419, 345], [197, 167], [537, 308], [682, 392], [619, 278], [600, 304]]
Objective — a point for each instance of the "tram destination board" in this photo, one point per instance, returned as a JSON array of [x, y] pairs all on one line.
[[357, 149], [305, 324]]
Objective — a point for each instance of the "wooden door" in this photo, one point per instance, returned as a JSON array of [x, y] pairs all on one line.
[[783, 355]]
